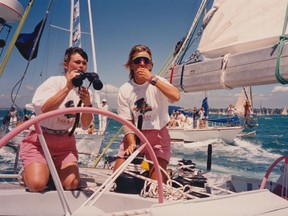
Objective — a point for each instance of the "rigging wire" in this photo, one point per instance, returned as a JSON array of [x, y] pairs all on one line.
[[12, 43], [3, 24], [19, 83], [189, 39]]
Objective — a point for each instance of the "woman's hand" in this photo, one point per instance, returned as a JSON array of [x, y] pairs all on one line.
[[69, 76], [143, 73], [84, 96], [130, 149]]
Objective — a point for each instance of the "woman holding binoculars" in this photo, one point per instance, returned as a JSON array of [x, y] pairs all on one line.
[[56, 92]]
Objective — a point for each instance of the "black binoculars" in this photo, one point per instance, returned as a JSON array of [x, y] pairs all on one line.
[[91, 76]]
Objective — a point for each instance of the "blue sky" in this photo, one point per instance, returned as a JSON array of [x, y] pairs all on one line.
[[118, 25]]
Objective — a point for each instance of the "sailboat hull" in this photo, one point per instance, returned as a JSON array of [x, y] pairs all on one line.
[[228, 134], [246, 69]]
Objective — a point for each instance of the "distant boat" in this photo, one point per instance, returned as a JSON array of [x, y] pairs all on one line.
[[226, 128], [228, 134], [284, 111]]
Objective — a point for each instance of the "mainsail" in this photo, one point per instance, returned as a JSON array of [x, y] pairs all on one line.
[[242, 44], [242, 25]]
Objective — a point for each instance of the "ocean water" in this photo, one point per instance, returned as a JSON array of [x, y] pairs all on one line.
[[247, 157]]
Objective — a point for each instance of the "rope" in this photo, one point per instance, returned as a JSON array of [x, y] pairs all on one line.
[[223, 70], [283, 39], [172, 60], [246, 95], [171, 75], [107, 147], [181, 78], [182, 192], [186, 44], [279, 77]]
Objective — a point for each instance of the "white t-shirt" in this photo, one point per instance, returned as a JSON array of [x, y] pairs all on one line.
[[48, 89], [145, 98]]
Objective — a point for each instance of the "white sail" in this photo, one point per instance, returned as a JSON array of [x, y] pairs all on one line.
[[237, 46], [239, 105], [284, 111], [243, 25], [242, 98]]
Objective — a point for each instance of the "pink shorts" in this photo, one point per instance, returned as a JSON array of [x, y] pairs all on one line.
[[159, 140], [62, 149]]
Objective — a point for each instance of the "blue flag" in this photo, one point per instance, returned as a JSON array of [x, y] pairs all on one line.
[[205, 106], [25, 42]]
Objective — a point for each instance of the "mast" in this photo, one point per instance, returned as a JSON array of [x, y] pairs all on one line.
[[92, 38], [13, 41], [251, 98], [71, 23], [75, 38], [96, 96]]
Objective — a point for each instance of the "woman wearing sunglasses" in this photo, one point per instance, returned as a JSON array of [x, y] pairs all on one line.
[[144, 101]]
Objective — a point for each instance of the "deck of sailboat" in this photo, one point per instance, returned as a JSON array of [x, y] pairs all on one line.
[[16, 200], [91, 178]]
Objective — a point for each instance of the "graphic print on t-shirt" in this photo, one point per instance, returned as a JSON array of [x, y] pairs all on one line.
[[142, 106], [69, 103]]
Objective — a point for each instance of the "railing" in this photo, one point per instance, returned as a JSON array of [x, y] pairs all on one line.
[[281, 186], [36, 120]]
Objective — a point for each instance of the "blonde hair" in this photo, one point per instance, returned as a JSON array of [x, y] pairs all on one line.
[[136, 49]]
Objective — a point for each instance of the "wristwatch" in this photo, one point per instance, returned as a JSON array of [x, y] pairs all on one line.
[[154, 81]]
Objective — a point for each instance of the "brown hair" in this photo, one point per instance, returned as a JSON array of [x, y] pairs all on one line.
[[72, 50], [136, 49]]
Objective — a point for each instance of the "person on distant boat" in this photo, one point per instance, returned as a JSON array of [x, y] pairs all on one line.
[[230, 113], [103, 118], [231, 110], [172, 121], [144, 100], [188, 122], [247, 112], [248, 115], [195, 116], [201, 118], [14, 117], [55, 93], [180, 119], [247, 109]]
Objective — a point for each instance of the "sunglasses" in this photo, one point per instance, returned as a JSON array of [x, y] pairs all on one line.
[[138, 60]]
